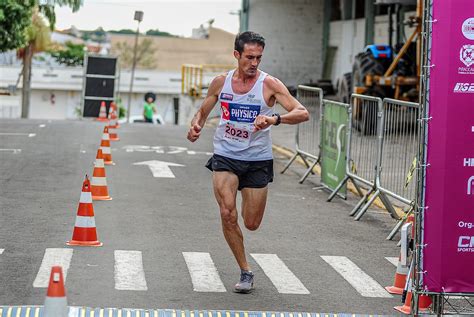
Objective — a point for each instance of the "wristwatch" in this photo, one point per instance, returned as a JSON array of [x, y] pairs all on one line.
[[278, 118]]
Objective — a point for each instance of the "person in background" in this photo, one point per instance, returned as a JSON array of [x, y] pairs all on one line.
[[149, 107]]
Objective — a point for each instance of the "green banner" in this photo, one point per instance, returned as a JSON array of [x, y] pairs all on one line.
[[333, 160]]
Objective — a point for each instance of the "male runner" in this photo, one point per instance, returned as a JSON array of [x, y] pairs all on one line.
[[243, 158]]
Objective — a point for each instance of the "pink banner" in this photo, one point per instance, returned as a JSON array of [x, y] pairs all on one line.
[[448, 255]]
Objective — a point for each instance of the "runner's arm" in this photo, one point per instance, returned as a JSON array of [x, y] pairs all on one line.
[[199, 119], [297, 113]]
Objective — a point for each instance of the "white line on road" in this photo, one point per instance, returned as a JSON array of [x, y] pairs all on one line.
[[1, 251], [280, 275], [42, 125], [159, 168], [52, 257], [393, 260], [204, 275], [363, 283], [30, 135], [15, 151], [128, 271]]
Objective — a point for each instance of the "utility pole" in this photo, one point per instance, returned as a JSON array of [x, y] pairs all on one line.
[[138, 17]]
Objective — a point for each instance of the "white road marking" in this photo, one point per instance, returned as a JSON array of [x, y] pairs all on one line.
[[393, 260], [42, 125], [30, 135], [1, 251], [363, 283], [52, 257], [14, 151], [280, 275], [204, 275], [159, 168], [128, 271]]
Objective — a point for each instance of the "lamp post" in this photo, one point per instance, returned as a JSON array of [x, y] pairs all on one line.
[[138, 17]]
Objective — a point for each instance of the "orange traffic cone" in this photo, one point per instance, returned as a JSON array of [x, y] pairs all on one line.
[[112, 128], [399, 280], [85, 233], [105, 147], [115, 116], [102, 113], [99, 180], [424, 301], [55, 304]]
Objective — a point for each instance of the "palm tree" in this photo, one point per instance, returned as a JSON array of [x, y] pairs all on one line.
[[38, 41]]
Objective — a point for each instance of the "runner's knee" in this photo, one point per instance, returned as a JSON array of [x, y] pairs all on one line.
[[252, 226], [229, 217]]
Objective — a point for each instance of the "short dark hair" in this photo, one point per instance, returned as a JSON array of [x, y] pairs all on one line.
[[248, 37]]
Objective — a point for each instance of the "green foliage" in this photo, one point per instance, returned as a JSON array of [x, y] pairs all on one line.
[[38, 33], [159, 33], [15, 16], [123, 31], [72, 55]]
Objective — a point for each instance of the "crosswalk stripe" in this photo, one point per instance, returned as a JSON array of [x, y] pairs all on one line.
[[393, 260], [279, 274], [52, 257], [204, 275], [128, 271], [363, 283]]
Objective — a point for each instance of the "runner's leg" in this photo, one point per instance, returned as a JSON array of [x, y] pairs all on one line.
[[225, 190], [254, 201]]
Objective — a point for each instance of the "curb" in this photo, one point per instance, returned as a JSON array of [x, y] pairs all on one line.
[[37, 311], [289, 153]]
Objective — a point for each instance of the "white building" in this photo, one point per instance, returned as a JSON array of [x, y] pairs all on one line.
[[56, 92]]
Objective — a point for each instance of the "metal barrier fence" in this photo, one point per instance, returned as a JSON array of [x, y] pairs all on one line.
[[308, 133], [364, 153]]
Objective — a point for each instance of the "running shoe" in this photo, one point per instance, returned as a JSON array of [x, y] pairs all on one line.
[[245, 285]]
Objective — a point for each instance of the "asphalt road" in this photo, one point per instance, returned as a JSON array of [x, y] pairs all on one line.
[[163, 217]]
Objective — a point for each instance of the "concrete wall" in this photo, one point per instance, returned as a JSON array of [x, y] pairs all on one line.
[[293, 31]]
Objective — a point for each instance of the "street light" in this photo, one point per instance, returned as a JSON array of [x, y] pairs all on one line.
[[138, 17]]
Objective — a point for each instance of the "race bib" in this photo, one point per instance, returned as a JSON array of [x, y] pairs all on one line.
[[239, 125]]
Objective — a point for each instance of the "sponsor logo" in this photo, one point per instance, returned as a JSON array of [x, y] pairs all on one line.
[[225, 110], [239, 113], [466, 244], [470, 186], [464, 88], [225, 96], [466, 54], [468, 28], [244, 113], [468, 162]]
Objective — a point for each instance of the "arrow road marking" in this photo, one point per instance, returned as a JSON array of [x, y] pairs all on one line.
[[160, 169]]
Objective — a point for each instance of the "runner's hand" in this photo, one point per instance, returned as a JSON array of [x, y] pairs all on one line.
[[262, 122], [194, 132]]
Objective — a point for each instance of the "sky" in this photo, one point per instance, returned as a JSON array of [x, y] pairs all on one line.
[[178, 17]]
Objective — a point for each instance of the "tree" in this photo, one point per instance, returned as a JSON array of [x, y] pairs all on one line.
[[72, 55], [159, 33], [14, 19], [145, 54], [123, 31], [38, 40]]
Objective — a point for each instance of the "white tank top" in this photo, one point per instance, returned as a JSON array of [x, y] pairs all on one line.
[[235, 137]]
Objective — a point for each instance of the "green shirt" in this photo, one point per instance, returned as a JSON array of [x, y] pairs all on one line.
[[148, 109]]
